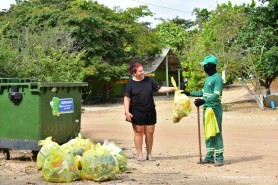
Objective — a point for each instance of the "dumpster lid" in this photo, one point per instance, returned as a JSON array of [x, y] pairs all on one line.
[[16, 81], [35, 86], [60, 84]]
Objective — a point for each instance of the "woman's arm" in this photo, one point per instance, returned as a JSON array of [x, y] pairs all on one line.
[[126, 104], [164, 89], [126, 107]]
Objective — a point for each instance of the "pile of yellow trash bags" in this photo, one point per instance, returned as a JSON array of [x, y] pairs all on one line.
[[181, 105], [80, 159]]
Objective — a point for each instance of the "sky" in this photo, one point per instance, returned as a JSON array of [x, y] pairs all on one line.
[[166, 9]]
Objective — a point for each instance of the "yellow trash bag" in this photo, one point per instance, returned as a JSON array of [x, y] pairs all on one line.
[[78, 145], [98, 164], [211, 126], [47, 146], [60, 166], [118, 153], [181, 105], [78, 161]]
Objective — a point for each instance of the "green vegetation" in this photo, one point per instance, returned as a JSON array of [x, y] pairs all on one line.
[[79, 40]]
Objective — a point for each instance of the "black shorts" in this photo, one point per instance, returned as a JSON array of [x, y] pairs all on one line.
[[143, 117]]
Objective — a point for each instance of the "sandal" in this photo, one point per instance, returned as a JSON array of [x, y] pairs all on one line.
[[140, 159], [150, 158]]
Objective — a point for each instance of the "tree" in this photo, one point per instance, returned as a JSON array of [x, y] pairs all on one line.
[[44, 49], [8, 56], [141, 40], [195, 52], [172, 36], [259, 37], [183, 23], [202, 16], [48, 56], [221, 31], [216, 35], [109, 38]]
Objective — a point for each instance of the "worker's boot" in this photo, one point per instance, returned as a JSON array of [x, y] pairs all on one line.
[[205, 161], [219, 163]]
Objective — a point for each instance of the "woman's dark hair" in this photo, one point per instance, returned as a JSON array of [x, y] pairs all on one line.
[[133, 68]]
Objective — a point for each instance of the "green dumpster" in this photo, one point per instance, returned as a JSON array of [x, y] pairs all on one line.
[[32, 111]]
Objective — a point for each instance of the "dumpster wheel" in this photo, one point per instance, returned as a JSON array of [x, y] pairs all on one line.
[[34, 155], [7, 153]]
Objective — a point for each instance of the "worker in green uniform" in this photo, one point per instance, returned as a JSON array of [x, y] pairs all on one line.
[[211, 93]]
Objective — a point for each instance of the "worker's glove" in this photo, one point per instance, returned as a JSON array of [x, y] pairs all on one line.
[[198, 102], [187, 93]]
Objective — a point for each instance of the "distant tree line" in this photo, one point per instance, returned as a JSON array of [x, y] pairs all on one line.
[[78, 40]]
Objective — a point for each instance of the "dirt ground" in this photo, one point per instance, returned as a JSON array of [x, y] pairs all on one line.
[[250, 146]]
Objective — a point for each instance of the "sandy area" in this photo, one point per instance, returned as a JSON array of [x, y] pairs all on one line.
[[250, 146]]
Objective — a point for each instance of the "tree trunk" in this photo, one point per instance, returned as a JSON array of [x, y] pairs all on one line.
[[267, 91], [266, 85]]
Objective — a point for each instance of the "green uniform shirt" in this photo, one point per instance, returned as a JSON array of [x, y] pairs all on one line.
[[211, 92]]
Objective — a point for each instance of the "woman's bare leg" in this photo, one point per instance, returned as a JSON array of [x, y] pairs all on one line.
[[138, 139], [149, 132]]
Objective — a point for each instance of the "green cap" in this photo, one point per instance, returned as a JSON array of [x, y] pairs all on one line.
[[210, 59]]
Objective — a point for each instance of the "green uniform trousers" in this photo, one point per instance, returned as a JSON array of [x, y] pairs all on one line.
[[214, 145]]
